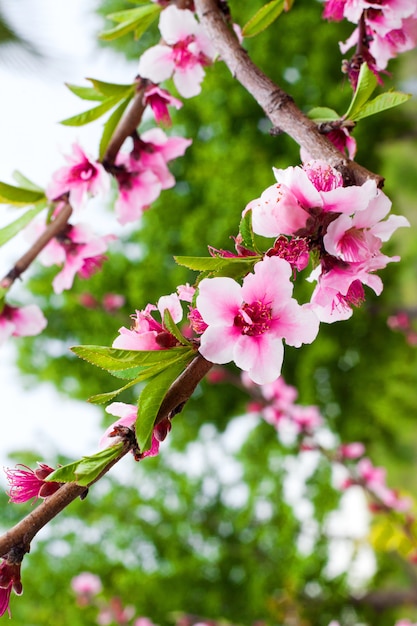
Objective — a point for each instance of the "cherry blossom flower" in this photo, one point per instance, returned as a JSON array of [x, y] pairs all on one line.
[[305, 193], [9, 579], [22, 321], [146, 332], [159, 100], [81, 178], [127, 414], [352, 450], [246, 324], [184, 53], [373, 478], [26, 483], [79, 251], [86, 585], [142, 174]]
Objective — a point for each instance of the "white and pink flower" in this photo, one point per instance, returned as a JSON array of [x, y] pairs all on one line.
[[127, 415], [247, 324], [79, 251], [142, 174], [81, 178], [146, 332], [22, 321], [183, 55]]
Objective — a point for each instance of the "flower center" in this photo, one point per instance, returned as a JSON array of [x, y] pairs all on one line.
[[254, 319], [183, 56], [84, 171]]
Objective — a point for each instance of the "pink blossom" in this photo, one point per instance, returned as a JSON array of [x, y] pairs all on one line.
[[79, 251], [127, 414], [352, 450], [186, 50], [159, 100], [340, 289], [22, 321], [303, 193], [9, 579], [81, 178], [138, 188], [374, 479], [86, 585], [142, 174], [113, 301], [143, 621], [305, 418], [246, 324], [26, 483], [146, 332]]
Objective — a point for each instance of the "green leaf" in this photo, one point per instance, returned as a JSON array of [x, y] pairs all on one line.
[[22, 181], [102, 398], [113, 360], [264, 18], [92, 114], [323, 114], [112, 89], [367, 82], [382, 102], [171, 327], [9, 231], [19, 196], [132, 20], [87, 469], [85, 93], [150, 401], [246, 231], [110, 125], [234, 267]]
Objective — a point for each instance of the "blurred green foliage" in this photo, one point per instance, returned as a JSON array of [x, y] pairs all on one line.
[[180, 539]]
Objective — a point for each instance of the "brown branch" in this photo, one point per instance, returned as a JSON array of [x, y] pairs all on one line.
[[183, 388], [21, 535], [126, 127], [53, 229], [276, 103]]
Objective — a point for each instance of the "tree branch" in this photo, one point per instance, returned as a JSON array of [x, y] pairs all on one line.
[[21, 535], [53, 229], [127, 125], [276, 103]]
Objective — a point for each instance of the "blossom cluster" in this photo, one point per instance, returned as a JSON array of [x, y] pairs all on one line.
[[385, 28], [344, 226]]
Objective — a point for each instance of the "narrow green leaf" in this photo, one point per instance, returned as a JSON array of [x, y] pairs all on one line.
[[85, 93], [137, 20], [151, 399], [381, 103], [145, 23], [234, 267], [323, 114], [263, 18], [9, 231], [112, 89], [137, 14], [102, 398], [112, 360], [246, 231], [171, 327], [22, 181], [19, 196], [110, 125], [87, 469], [92, 114], [366, 84]]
